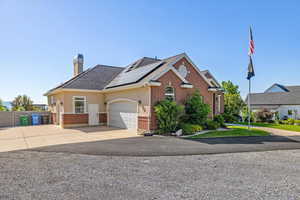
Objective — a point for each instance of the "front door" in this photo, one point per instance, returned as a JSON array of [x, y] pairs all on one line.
[[93, 114]]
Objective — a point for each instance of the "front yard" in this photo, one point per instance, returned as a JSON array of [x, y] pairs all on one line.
[[235, 131], [272, 125]]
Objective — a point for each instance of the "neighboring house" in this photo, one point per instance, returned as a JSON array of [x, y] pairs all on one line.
[[278, 98], [125, 97]]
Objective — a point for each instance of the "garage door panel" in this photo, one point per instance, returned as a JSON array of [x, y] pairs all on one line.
[[123, 115]]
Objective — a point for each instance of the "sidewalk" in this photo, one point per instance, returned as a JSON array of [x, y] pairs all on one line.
[[273, 131]]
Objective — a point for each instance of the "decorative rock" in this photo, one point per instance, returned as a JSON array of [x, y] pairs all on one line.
[[179, 132]]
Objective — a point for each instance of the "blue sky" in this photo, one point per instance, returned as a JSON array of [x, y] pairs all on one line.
[[39, 39]]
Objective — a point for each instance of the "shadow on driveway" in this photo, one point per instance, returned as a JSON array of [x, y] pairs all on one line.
[[171, 146], [249, 140]]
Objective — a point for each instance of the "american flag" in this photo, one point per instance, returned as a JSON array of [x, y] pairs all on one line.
[[251, 43]]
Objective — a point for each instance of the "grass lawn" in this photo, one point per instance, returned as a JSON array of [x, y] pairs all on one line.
[[278, 126], [236, 131]]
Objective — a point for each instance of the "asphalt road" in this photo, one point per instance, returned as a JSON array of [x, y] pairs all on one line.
[[171, 146], [30, 175]]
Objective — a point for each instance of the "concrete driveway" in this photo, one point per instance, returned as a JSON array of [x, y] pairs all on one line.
[[18, 138]]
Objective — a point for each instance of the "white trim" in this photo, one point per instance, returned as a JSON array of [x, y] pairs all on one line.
[[170, 94], [212, 78], [125, 87], [186, 86], [85, 104], [121, 99], [167, 70], [70, 90], [215, 89], [198, 70], [219, 104], [152, 83]]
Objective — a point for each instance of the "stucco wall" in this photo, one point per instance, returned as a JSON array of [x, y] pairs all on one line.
[[67, 101], [139, 94], [91, 98]]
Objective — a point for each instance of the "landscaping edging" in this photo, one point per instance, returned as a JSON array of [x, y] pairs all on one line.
[[203, 132]]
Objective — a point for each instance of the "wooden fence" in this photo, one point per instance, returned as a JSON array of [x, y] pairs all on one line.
[[12, 118]]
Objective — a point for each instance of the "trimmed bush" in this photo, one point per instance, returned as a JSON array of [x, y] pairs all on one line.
[[189, 129], [264, 115], [168, 114], [229, 118], [196, 110], [212, 125], [220, 120]]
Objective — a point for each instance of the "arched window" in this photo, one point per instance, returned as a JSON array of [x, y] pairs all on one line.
[[170, 93]]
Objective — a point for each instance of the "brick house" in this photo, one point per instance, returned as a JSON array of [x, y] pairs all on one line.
[[125, 97]]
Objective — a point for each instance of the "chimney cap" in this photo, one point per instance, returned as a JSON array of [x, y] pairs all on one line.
[[78, 58]]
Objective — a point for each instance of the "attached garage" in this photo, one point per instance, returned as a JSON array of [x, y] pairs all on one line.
[[123, 114]]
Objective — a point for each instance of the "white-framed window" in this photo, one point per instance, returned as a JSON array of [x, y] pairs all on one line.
[[170, 93], [79, 104], [219, 103]]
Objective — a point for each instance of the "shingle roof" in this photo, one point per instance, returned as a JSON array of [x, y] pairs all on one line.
[[275, 98], [133, 75], [95, 78], [105, 77], [295, 88]]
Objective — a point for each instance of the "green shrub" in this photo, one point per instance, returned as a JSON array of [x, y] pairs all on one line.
[[168, 114], [229, 118], [220, 120], [212, 125], [264, 115], [189, 129], [297, 122], [290, 121], [277, 117], [196, 110]]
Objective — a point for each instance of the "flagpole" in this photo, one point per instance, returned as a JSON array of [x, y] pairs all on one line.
[[249, 105]]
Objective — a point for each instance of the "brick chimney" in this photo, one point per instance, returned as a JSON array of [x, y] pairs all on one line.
[[78, 64]]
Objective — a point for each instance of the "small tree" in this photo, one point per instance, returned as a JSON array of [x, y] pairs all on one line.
[[2, 107], [245, 114], [21, 103], [233, 103], [168, 114], [196, 110]]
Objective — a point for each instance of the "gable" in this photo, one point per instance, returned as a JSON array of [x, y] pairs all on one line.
[[276, 88], [170, 78], [193, 76]]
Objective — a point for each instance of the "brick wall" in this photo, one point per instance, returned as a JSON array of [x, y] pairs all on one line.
[[143, 123], [181, 94], [53, 118], [103, 118], [75, 119]]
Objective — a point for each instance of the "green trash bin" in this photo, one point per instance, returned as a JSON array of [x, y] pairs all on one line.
[[24, 120]]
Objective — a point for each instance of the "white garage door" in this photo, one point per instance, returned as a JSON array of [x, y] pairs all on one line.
[[123, 114]]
